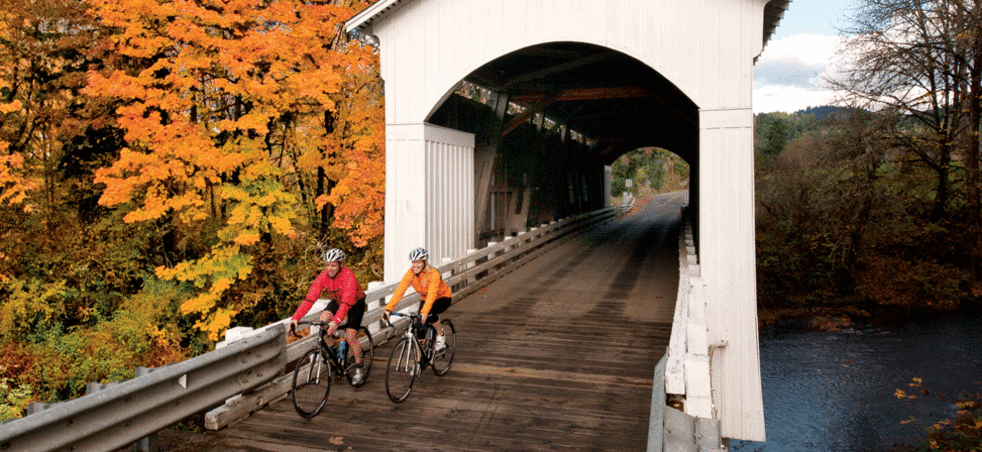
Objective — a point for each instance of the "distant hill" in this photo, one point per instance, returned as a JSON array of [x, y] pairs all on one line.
[[822, 112], [773, 131]]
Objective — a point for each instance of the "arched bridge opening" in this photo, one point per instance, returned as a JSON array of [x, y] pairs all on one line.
[[549, 118]]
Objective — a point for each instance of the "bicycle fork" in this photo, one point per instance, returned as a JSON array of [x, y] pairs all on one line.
[[405, 357], [314, 377]]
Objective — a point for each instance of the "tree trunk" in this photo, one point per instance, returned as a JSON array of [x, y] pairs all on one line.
[[940, 210], [324, 186], [972, 153]]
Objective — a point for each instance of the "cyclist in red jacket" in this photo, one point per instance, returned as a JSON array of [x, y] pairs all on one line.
[[434, 293], [347, 298]]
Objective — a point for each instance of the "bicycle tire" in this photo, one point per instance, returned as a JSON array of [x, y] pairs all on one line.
[[367, 356], [401, 370], [311, 383], [441, 361]]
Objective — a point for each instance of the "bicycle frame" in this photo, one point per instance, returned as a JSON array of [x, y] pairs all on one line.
[[329, 351], [425, 351], [311, 387]]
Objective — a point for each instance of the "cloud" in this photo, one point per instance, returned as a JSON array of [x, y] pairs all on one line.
[[787, 70], [788, 75]]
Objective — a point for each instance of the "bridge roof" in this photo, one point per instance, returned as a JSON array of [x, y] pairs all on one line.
[[773, 13], [605, 95]]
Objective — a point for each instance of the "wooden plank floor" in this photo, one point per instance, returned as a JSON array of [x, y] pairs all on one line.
[[557, 355]]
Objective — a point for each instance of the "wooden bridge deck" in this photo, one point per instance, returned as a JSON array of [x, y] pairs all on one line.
[[557, 355]]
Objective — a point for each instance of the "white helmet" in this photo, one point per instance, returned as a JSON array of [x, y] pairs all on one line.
[[419, 254], [333, 255]]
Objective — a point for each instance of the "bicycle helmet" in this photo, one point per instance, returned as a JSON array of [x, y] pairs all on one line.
[[419, 254], [333, 255]]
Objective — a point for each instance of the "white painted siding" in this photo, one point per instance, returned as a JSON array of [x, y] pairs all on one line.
[[704, 47], [429, 196], [726, 254]]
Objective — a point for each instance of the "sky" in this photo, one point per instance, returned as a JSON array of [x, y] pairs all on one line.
[[787, 75]]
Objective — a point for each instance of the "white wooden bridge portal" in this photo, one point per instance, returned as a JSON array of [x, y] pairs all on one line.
[[506, 113]]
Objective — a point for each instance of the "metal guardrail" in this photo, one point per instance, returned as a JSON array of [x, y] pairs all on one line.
[[246, 373], [124, 413], [629, 201]]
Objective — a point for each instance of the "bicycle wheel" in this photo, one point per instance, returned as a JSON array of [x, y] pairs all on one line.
[[401, 371], [367, 355], [311, 383], [441, 360]]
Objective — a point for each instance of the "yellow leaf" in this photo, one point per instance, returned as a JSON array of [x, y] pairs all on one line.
[[11, 107], [247, 238]]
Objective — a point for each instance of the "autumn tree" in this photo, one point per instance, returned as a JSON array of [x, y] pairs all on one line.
[[901, 60], [239, 113], [52, 137], [46, 48], [968, 45]]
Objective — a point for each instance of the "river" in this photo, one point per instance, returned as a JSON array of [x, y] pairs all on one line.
[[836, 391]]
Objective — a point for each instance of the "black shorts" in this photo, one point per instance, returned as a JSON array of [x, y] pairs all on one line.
[[355, 313], [439, 305]]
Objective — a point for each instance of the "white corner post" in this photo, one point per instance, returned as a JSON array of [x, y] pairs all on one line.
[[429, 194], [727, 258]]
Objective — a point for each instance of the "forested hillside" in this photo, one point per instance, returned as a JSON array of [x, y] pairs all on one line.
[[880, 207], [651, 171], [847, 219]]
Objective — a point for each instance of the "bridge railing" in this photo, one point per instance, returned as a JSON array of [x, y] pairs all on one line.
[[687, 368], [688, 422], [246, 371]]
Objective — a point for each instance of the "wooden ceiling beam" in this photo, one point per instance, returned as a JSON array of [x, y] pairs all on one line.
[[538, 107], [559, 68], [618, 92]]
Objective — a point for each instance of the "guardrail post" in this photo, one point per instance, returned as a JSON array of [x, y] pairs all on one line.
[[450, 271], [145, 444], [469, 265], [234, 334], [374, 303], [148, 443], [37, 407], [492, 270]]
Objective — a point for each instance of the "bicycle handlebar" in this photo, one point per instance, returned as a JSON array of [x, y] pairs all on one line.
[[293, 330], [400, 314]]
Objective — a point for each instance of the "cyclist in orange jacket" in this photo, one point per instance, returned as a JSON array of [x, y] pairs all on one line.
[[434, 293], [347, 300]]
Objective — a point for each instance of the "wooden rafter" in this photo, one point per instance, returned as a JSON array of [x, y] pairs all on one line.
[[538, 107], [560, 68], [617, 92]]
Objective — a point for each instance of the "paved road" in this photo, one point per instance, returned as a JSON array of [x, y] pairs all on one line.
[[557, 355]]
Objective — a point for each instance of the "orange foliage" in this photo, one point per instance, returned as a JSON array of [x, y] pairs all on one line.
[[884, 281], [14, 362], [38, 83], [228, 114], [14, 184]]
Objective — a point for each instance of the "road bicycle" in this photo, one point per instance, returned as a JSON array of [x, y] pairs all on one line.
[[414, 352], [322, 364]]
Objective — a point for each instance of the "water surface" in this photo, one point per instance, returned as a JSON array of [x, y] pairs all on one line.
[[837, 391]]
